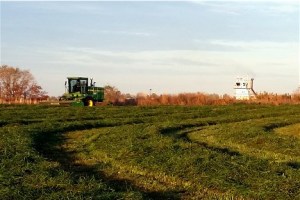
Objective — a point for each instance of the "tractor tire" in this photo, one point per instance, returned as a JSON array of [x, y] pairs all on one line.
[[90, 103]]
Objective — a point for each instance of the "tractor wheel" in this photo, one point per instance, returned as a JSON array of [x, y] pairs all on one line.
[[90, 103]]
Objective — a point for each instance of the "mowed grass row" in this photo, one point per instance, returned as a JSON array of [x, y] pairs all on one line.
[[210, 152]]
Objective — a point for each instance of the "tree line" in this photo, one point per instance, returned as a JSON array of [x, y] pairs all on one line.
[[17, 85]]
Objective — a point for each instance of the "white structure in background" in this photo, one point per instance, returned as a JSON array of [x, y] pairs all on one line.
[[244, 88]]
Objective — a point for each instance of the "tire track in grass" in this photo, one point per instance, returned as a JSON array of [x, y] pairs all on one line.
[[193, 184], [213, 135], [186, 133], [52, 147], [154, 182], [48, 138]]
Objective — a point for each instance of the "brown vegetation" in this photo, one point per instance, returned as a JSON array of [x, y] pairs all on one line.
[[184, 99], [19, 86], [115, 97]]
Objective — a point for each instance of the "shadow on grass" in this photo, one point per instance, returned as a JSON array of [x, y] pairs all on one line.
[[49, 144], [294, 165], [181, 133], [173, 130], [18, 122], [272, 126]]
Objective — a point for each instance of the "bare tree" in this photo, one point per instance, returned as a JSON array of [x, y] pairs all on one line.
[[16, 84], [112, 94]]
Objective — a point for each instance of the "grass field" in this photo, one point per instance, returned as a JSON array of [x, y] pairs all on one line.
[[209, 152]]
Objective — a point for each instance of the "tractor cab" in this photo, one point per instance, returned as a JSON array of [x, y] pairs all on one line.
[[78, 84]]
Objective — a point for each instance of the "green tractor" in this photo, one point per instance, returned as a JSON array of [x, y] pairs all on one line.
[[79, 93]]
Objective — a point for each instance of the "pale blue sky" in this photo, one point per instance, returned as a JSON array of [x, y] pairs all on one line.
[[170, 47]]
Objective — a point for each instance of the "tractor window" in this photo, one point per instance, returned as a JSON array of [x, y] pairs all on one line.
[[79, 85], [83, 86], [73, 86]]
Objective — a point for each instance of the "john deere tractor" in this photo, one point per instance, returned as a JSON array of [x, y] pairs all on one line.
[[79, 93]]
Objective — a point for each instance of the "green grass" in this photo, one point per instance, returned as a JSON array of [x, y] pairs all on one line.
[[291, 130], [168, 152]]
